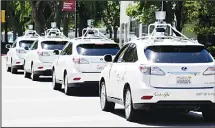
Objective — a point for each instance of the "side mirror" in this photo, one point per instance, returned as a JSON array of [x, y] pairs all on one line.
[[7, 46], [108, 58], [26, 48], [56, 52]]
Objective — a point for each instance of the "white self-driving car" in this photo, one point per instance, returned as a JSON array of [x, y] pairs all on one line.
[[38, 61], [160, 71], [82, 60], [16, 53]]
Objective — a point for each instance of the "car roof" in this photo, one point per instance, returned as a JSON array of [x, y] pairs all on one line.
[[143, 43], [92, 41], [42, 38], [26, 38]]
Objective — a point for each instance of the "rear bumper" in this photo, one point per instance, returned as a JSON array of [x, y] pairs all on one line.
[[42, 68], [176, 95], [84, 77], [192, 105], [47, 72], [86, 83], [18, 63]]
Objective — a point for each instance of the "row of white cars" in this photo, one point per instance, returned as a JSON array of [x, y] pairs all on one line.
[[157, 71]]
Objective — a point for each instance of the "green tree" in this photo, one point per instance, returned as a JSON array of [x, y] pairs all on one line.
[[144, 11], [111, 17]]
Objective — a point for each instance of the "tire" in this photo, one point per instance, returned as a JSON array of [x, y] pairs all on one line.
[[27, 74], [13, 70], [105, 104], [209, 114], [56, 86], [8, 68], [67, 90], [130, 112], [34, 77]]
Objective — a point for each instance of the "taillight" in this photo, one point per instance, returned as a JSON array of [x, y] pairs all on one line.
[[20, 51], [209, 71], [148, 70], [80, 61], [41, 53]]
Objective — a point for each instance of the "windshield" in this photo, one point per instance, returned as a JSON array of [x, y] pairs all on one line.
[[26, 43], [178, 54], [53, 45], [97, 49]]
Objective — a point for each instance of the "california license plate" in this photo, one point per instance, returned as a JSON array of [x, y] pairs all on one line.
[[183, 80]]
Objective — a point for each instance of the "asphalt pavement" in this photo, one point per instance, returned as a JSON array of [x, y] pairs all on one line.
[[26, 103]]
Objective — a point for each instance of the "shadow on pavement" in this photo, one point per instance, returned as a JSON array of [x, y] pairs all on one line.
[[92, 91], [168, 119]]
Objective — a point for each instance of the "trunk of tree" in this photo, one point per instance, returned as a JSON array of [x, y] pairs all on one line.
[[58, 14], [37, 16], [66, 23], [82, 18], [110, 31], [180, 20], [115, 30]]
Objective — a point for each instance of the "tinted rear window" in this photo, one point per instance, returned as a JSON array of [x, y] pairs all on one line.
[[178, 54], [52, 45], [97, 49], [26, 43]]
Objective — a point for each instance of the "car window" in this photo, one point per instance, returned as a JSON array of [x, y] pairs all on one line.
[[34, 46], [26, 43], [67, 50], [14, 44], [97, 49], [131, 54], [53, 45], [178, 54], [120, 54]]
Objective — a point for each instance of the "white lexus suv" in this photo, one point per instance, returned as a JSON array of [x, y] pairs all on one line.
[[16, 53], [160, 71], [82, 60], [38, 61]]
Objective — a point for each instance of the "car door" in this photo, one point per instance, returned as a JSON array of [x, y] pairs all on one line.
[[128, 75], [63, 61], [117, 67]]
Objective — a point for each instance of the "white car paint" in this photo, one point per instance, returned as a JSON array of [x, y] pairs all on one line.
[[16, 53], [161, 86], [81, 68], [39, 58]]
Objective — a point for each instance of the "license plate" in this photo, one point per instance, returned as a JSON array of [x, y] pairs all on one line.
[[183, 80]]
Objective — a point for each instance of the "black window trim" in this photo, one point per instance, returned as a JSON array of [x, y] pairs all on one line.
[[119, 52], [67, 45], [131, 45]]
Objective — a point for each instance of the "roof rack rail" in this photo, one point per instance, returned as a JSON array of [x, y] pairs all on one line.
[[31, 33], [160, 27], [54, 32], [92, 33]]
